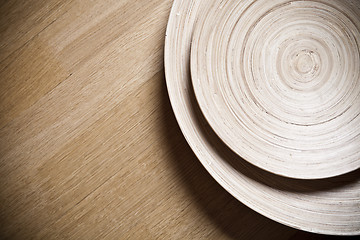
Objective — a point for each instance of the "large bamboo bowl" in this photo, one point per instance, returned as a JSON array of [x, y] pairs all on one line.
[[329, 206]]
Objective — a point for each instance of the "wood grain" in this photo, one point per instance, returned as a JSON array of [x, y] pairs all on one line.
[[89, 146]]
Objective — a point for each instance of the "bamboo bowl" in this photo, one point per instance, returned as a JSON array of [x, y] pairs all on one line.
[[205, 53], [279, 82]]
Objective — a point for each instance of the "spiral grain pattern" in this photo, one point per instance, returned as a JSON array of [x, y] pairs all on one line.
[[300, 71], [279, 82]]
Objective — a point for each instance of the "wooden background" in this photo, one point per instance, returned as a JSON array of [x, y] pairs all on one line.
[[89, 146]]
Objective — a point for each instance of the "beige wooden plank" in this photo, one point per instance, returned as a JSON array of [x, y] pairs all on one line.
[[25, 80], [77, 169], [155, 204], [28, 69], [89, 92], [89, 146], [40, 64], [26, 137]]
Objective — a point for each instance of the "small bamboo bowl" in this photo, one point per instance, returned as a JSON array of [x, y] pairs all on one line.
[[279, 82]]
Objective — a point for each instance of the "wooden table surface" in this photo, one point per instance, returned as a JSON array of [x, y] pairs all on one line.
[[89, 146]]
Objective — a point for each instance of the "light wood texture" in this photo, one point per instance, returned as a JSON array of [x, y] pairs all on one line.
[[89, 146], [330, 205], [279, 82]]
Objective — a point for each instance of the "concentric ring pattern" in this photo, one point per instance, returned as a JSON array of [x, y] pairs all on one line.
[[279, 82], [328, 206]]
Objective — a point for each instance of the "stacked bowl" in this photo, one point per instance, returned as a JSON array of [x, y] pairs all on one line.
[[267, 94]]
